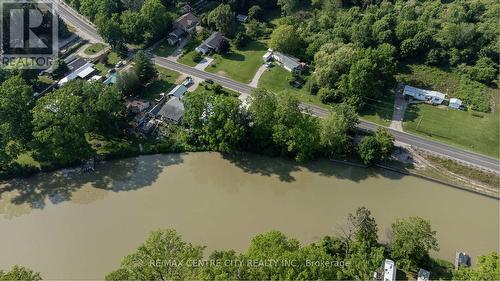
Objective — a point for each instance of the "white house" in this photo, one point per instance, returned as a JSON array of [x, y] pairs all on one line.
[[82, 72], [455, 103], [389, 270], [423, 275], [432, 97], [288, 62]]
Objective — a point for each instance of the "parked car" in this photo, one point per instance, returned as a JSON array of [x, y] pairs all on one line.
[[188, 82], [160, 97], [119, 64], [209, 81], [269, 64]]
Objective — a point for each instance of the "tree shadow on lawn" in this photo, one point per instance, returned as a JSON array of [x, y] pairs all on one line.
[[254, 46], [120, 175], [233, 56], [283, 168], [412, 113]]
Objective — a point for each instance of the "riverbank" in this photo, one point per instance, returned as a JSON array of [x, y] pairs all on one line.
[[420, 164]]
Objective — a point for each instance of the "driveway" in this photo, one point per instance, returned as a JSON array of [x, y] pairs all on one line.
[[400, 105], [176, 54], [258, 74], [206, 61]]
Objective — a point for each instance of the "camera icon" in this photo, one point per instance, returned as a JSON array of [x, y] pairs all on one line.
[[29, 33]]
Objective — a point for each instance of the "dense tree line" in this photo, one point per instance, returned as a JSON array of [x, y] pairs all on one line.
[[272, 124], [55, 128], [355, 46], [354, 255], [276, 125]]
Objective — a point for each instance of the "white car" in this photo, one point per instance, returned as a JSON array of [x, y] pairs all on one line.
[[119, 64], [160, 97], [188, 82]]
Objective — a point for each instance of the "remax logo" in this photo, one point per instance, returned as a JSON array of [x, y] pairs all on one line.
[[29, 33]]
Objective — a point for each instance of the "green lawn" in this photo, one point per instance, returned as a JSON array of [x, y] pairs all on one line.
[[164, 49], [42, 83], [239, 64], [94, 48], [276, 80], [474, 131], [469, 129], [113, 59], [379, 111], [187, 56], [165, 82]]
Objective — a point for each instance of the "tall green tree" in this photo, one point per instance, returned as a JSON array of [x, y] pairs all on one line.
[[296, 134], [20, 273], [412, 239], [163, 256], [144, 69], [288, 6], [133, 26], [223, 19], [157, 20], [62, 120], [285, 39], [337, 129], [110, 30], [262, 108], [16, 102]]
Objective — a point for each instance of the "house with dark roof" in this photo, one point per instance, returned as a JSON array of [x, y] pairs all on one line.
[[212, 44], [184, 24], [172, 111]]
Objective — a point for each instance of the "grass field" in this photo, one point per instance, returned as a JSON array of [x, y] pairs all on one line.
[[239, 64], [379, 111], [468, 129], [276, 80], [94, 48], [165, 82], [187, 56], [113, 59]]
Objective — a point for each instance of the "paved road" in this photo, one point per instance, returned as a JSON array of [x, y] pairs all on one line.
[[83, 27], [445, 150]]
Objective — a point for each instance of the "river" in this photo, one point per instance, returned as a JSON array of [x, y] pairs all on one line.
[[72, 226]]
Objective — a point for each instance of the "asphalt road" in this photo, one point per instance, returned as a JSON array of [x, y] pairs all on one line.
[[461, 155]]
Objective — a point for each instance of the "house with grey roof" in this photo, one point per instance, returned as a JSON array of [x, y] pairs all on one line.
[[288, 62], [172, 111], [212, 44], [184, 24]]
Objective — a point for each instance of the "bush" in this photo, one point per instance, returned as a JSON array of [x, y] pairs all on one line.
[[197, 57], [473, 94]]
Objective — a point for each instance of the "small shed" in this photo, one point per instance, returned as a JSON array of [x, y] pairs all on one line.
[[178, 91], [241, 18], [455, 103], [268, 56], [423, 275]]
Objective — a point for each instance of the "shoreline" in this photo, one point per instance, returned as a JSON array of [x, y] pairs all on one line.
[[339, 161]]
